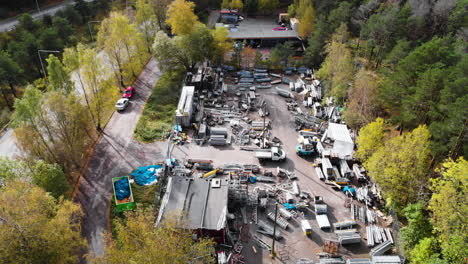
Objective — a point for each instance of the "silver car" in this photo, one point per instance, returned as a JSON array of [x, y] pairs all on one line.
[[121, 104]]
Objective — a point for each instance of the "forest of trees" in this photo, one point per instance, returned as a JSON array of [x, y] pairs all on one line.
[[400, 71]]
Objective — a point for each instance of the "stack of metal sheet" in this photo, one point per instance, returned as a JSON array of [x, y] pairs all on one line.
[[347, 238], [381, 249], [283, 223]]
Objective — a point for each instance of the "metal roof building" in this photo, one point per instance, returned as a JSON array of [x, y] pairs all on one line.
[[260, 29], [343, 144], [201, 204]]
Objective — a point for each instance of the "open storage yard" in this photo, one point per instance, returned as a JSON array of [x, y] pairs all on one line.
[[230, 127]]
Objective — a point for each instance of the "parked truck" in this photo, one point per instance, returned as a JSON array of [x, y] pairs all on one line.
[[306, 146], [274, 154], [123, 195]]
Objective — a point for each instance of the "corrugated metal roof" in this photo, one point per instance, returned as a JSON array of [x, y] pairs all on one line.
[[322, 221], [201, 206]]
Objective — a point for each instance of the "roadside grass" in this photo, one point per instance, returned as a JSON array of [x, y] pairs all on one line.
[[158, 115]]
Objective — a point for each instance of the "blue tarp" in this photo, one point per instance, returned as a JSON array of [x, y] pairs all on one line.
[[289, 206], [253, 179], [122, 189], [350, 189], [146, 175]]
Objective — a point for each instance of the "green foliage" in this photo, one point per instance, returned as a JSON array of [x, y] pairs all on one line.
[[157, 117], [382, 30], [183, 52], [418, 226], [222, 44], [363, 103], [10, 75], [36, 228], [268, 6], [401, 167], [251, 6], [423, 252], [138, 241], [43, 129], [370, 139], [427, 87], [337, 69], [281, 54], [399, 51], [146, 19], [58, 77], [307, 23], [50, 177], [181, 18], [449, 208]]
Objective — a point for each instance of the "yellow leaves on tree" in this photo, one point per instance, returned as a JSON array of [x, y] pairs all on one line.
[[124, 45], [449, 206], [138, 241], [36, 228], [222, 42], [370, 139], [181, 18], [307, 22], [401, 166]]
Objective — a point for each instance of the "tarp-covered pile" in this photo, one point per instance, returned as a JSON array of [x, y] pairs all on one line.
[[146, 175], [122, 189]]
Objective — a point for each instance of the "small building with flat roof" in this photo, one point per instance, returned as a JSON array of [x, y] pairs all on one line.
[[200, 204]]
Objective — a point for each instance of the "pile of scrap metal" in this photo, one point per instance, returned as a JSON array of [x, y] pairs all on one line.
[[219, 136], [363, 214], [377, 235]]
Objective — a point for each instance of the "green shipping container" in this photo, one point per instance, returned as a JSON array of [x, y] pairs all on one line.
[[127, 204]]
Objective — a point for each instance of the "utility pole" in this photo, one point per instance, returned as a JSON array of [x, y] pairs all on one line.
[[38, 9], [264, 128], [273, 253], [89, 28], [40, 59]]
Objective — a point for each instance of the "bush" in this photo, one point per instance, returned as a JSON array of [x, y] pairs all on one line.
[[158, 115]]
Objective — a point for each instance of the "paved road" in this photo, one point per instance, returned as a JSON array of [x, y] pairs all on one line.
[[116, 154], [10, 23]]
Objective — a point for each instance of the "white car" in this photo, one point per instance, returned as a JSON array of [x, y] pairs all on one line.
[[121, 104]]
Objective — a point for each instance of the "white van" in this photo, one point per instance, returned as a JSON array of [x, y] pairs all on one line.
[[306, 228]]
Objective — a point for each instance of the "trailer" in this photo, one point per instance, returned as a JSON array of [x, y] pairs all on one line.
[[319, 173], [322, 221], [327, 168], [306, 228], [123, 195], [344, 169]]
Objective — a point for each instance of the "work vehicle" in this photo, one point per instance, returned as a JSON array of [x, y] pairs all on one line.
[[129, 92], [306, 228], [274, 154], [122, 104], [306, 147], [123, 195]]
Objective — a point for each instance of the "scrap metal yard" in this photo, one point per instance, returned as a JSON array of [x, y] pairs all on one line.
[[215, 150]]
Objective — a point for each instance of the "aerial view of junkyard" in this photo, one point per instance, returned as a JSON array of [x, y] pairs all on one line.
[[234, 131]]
